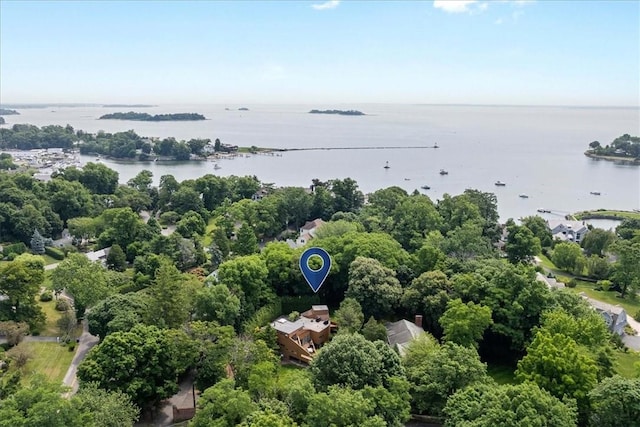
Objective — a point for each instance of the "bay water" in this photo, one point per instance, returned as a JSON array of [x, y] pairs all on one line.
[[536, 151]]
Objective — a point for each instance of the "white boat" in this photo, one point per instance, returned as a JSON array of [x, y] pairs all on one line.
[[595, 193], [500, 183], [523, 196], [217, 166]]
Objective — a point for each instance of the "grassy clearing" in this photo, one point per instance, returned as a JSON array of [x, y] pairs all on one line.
[[502, 374], [606, 214], [288, 373], [208, 238], [49, 359], [625, 363], [50, 328]]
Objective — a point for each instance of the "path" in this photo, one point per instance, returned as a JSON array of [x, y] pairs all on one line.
[[86, 342]]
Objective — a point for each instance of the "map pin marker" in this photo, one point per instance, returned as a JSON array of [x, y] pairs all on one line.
[[315, 278]]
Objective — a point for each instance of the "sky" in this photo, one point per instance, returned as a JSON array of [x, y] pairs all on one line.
[[302, 52]]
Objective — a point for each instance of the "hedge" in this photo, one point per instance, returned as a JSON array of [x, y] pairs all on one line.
[[54, 253]]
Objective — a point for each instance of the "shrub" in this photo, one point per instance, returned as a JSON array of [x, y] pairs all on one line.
[[16, 248], [46, 296], [54, 253], [637, 316], [62, 305], [572, 283]]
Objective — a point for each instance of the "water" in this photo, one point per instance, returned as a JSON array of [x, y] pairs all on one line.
[[537, 151]]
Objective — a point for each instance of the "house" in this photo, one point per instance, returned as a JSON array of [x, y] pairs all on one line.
[[308, 231], [228, 148], [614, 316], [100, 255], [301, 339], [551, 282], [260, 194], [567, 231], [402, 332]]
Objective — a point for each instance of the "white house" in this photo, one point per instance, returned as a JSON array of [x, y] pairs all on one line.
[[567, 231], [614, 316], [308, 231]]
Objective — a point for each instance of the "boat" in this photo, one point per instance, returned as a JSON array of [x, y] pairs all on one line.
[[435, 145], [500, 183], [541, 210], [443, 172], [387, 166], [425, 187], [407, 179], [595, 193], [217, 166], [523, 196]]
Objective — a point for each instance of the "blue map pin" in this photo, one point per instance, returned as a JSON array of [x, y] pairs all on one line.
[[315, 278]]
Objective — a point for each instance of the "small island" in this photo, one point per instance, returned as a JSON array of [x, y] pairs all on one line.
[[340, 112], [145, 117], [128, 106], [7, 112], [625, 148]]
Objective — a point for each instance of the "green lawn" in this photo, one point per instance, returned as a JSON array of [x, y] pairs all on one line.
[[502, 374], [287, 373], [625, 363], [606, 214], [48, 358], [50, 328], [208, 239]]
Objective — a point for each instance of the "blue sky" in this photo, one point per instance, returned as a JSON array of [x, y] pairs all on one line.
[[432, 52]]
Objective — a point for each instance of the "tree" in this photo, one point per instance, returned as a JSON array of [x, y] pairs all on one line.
[[349, 360], [521, 405], [464, 324], [627, 268], [37, 242], [67, 323], [374, 287], [565, 255], [13, 332], [116, 259], [342, 407], [246, 277], [217, 303], [597, 240], [117, 313], [105, 408], [447, 368], [84, 280], [168, 298], [191, 223], [598, 267], [99, 178], [20, 282], [349, 316], [139, 363], [555, 363], [539, 228], [347, 197], [374, 330], [428, 295], [247, 242], [414, 218], [615, 402], [521, 244]]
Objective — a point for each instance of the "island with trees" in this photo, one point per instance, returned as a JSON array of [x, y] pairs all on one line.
[[128, 106], [8, 112], [625, 148], [194, 274], [339, 112], [146, 117]]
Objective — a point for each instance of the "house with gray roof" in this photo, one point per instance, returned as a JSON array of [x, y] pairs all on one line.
[[401, 333]]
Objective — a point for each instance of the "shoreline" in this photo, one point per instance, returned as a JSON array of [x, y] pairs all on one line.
[[626, 160], [606, 214]]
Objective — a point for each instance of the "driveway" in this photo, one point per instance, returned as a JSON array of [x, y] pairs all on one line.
[[86, 342]]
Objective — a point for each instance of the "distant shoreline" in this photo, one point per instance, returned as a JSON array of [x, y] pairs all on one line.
[[628, 160], [145, 117]]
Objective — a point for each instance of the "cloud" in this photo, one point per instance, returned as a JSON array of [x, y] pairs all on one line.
[[458, 6], [331, 4]]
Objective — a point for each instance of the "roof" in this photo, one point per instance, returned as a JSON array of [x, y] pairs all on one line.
[[401, 333], [573, 225], [310, 225], [98, 255], [282, 324]]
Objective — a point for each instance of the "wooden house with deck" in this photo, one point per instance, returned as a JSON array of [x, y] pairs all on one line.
[[300, 339]]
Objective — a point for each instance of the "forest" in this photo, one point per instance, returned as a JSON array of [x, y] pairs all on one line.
[[197, 270], [146, 117]]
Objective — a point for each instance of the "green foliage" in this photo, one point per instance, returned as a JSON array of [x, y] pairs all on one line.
[[597, 240], [342, 407], [223, 405], [168, 297], [139, 363], [521, 405], [21, 281], [349, 316], [566, 256], [350, 360], [116, 259], [46, 296], [117, 313], [556, 363], [16, 248], [104, 408], [615, 402], [54, 253], [374, 330], [265, 315], [217, 303], [627, 267], [464, 324], [428, 295], [13, 332], [247, 277], [521, 244], [445, 370], [247, 242], [37, 242], [539, 228], [374, 287]]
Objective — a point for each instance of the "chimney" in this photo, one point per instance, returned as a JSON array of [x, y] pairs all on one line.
[[418, 320]]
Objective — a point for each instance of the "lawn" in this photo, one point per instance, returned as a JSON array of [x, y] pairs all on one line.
[[50, 328], [606, 214], [208, 238], [48, 358], [288, 373], [625, 363]]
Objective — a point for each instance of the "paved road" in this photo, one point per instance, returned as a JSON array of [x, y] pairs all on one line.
[[87, 341]]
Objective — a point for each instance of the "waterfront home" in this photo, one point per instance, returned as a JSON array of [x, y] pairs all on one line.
[[567, 231], [614, 316], [301, 338]]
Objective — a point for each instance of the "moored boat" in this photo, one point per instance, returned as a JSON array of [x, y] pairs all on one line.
[[500, 183]]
